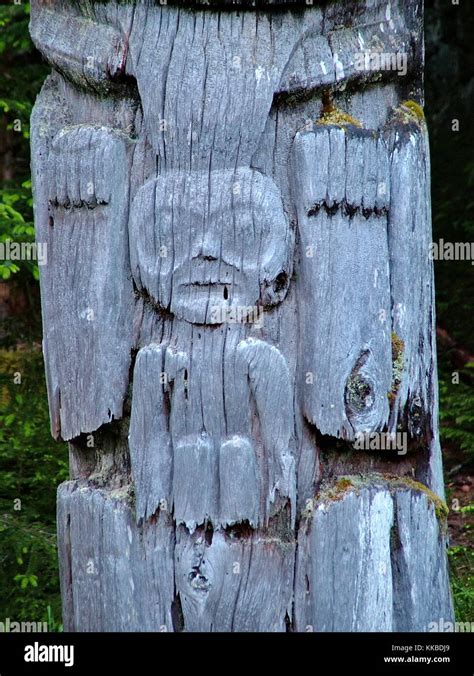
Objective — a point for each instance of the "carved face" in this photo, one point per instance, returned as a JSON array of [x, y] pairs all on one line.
[[206, 244]]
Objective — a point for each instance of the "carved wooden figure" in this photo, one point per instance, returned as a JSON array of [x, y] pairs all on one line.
[[224, 244], [238, 310]]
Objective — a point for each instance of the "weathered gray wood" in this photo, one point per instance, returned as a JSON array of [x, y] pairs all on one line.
[[247, 213], [341, 178], [234, 583], [90, 54], [371, 558], [201, 436], [412, 285], [118, 568], [322, 60], [81, 182]]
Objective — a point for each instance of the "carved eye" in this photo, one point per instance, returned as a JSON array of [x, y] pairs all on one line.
[[280, 282]]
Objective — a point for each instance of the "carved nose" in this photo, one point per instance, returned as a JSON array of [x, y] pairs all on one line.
[[208, 247], [207, 250]]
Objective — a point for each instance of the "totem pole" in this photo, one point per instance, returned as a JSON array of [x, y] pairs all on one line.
[[238, 314]]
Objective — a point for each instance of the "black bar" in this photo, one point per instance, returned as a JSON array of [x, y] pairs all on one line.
[[308, 653]]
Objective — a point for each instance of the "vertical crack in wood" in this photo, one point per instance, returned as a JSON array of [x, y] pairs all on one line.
[[237, 218]]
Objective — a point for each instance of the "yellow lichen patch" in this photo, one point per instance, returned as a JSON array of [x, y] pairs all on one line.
[[409, 112], [343, 485], [338, 118], [398, 365], [398, 346], [415, 109]]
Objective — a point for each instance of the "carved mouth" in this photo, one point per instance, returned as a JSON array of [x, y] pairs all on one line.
[[215, 280], [217, 289], [206, 284]]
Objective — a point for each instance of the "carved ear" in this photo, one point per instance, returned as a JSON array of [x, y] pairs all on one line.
[[274, 291], [278, 243], [151, 259], [277, 266]]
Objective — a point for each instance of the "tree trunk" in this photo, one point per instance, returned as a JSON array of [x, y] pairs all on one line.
[[238, 315]]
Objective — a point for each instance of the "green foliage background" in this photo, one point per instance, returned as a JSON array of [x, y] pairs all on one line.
[[21, 76], [32, 465], [449, 90]]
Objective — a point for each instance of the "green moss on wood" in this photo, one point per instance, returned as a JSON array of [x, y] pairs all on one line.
[[441, 508], [338, 489]]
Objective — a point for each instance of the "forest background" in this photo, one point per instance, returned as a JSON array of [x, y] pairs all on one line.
[[32, 464]]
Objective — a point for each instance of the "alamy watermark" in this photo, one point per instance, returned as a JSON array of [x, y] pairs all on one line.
[[382, 441], [24, 251], [237, 314], [368, 61], [10, 626], [447, 626], [451, 251], [50, 653]]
